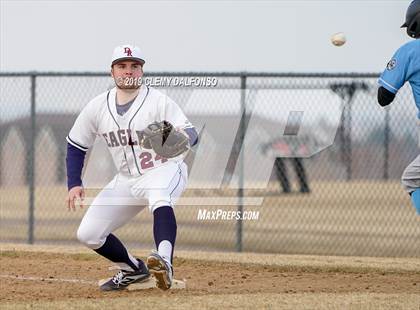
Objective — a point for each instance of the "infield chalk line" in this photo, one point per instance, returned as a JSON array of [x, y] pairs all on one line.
[[6, 276]]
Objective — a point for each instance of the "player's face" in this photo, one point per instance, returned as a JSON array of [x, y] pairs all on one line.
[[127, 74]]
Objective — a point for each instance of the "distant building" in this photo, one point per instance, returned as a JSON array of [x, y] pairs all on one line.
[[12, 158]]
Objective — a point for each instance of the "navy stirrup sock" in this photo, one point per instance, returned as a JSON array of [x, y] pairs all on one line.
[[164, 226], [116, 252]]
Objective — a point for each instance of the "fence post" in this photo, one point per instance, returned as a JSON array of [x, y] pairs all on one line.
[[348, 137], [386, 145], [31, 172], [241, 146]]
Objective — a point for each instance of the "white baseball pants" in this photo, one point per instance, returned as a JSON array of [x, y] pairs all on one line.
[[125, 196]]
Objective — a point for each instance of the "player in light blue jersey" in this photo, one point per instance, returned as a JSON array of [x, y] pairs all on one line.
[[405, 67]]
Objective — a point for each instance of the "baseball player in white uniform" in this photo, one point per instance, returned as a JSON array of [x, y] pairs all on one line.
[[122, 118]]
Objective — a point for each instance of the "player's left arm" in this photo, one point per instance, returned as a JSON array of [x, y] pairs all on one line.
[[192, 134], [385, 97], [394, 76], [172, 113]]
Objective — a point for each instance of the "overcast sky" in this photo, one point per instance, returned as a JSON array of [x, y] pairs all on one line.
[[273, 36]]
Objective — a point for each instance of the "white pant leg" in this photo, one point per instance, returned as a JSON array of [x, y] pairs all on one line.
[[112, 208], [162, 186]]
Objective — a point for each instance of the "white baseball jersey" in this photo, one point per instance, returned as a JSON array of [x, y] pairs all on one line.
[[122, 133]]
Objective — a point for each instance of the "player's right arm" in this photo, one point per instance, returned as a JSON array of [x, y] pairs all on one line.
[[74, 162], [395, 75], [80, 138]]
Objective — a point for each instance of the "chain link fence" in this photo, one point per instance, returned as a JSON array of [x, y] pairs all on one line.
[[334, 191]]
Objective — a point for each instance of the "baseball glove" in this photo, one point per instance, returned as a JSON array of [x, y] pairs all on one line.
[[165, 140]]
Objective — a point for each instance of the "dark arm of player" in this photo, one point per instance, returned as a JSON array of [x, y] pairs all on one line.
[[192, 133], [74, 162], [385, 97]]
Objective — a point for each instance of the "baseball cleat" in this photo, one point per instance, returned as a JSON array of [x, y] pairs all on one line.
[[124, 278], [161, 269]]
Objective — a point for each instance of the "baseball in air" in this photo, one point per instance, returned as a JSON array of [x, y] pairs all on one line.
[[338, 39]]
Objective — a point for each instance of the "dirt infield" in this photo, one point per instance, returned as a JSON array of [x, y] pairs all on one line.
[[43, 278]]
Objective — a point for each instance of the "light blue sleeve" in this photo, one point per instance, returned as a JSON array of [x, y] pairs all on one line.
[[395, 74]]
